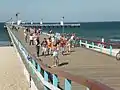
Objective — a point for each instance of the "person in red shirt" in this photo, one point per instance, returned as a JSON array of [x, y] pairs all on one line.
[[62, 45]]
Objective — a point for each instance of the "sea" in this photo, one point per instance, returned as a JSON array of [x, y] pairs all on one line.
[[4, 37], [110, 31]]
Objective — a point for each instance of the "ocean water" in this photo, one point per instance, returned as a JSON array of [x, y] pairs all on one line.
[[92, 30], [110, 31], [4, 37]]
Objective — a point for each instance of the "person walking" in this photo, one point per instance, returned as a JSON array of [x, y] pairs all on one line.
[[31, 38], [26, 35], [37, 46], [55, 56], [44, 47]]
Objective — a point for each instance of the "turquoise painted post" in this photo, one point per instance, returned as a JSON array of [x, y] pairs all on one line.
[[92, 44], [46, 79], [80, 43], [86, 44], [110, 50], [55, 80], [101, 48], [39, 70], [68, 85]]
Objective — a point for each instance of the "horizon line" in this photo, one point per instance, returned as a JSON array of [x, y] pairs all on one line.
[[66, 21]]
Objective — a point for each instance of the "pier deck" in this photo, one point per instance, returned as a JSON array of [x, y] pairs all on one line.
[[84, 62], [11, 71]]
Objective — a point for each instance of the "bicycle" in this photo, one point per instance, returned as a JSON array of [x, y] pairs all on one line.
[[118, 56]]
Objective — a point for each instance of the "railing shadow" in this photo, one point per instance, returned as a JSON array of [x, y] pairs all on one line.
[[63, 63]]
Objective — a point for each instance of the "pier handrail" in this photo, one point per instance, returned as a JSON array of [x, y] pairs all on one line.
[[91, 84], [95, 41]]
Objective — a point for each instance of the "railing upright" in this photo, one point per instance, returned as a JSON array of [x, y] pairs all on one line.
[[68, 85]]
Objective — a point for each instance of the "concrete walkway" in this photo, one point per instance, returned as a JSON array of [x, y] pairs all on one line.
[[11, 71], [85, 62]]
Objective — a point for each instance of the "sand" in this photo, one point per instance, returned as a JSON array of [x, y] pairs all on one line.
[[11, 70]]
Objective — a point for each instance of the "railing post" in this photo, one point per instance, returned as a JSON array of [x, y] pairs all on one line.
[[34, 67], [92, 44], [110, 50], [80, 43], [55, 80], [86, 44], [39, 70], [87, 88], [101, 48], [68, 85], [46, 79]]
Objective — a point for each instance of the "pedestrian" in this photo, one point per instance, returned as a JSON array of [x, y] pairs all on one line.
[[37, 43], [44, 46], [55, 56], [31, 38]]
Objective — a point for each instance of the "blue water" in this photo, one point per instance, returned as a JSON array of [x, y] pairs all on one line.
[[4, 37], [95, 31], [92, 30]]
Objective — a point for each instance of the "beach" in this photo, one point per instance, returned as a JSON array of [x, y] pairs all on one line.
[[12, 71]]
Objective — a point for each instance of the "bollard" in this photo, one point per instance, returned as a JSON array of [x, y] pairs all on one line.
[[110, 50], [68, 85]]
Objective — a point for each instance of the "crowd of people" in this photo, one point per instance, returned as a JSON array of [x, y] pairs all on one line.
[[52, 45]]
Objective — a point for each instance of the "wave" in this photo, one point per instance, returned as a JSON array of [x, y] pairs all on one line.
[[115, 40]]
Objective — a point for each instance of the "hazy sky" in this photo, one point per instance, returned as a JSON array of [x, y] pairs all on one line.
[[53, 10]]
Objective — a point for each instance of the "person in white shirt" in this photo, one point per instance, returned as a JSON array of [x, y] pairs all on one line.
[[102, 42], [53, 39], [31, 38], [72, 40], [25, 35]]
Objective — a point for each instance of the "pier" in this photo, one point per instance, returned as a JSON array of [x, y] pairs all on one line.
[[89, 67], [50, 25]]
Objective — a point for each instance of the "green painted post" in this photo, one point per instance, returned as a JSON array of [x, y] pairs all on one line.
[[110, 50], [80, 43]]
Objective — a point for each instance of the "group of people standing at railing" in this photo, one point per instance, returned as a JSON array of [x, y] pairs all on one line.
[[51, 45]]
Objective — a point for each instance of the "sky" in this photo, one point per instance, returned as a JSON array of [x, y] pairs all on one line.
[[53, 10]]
